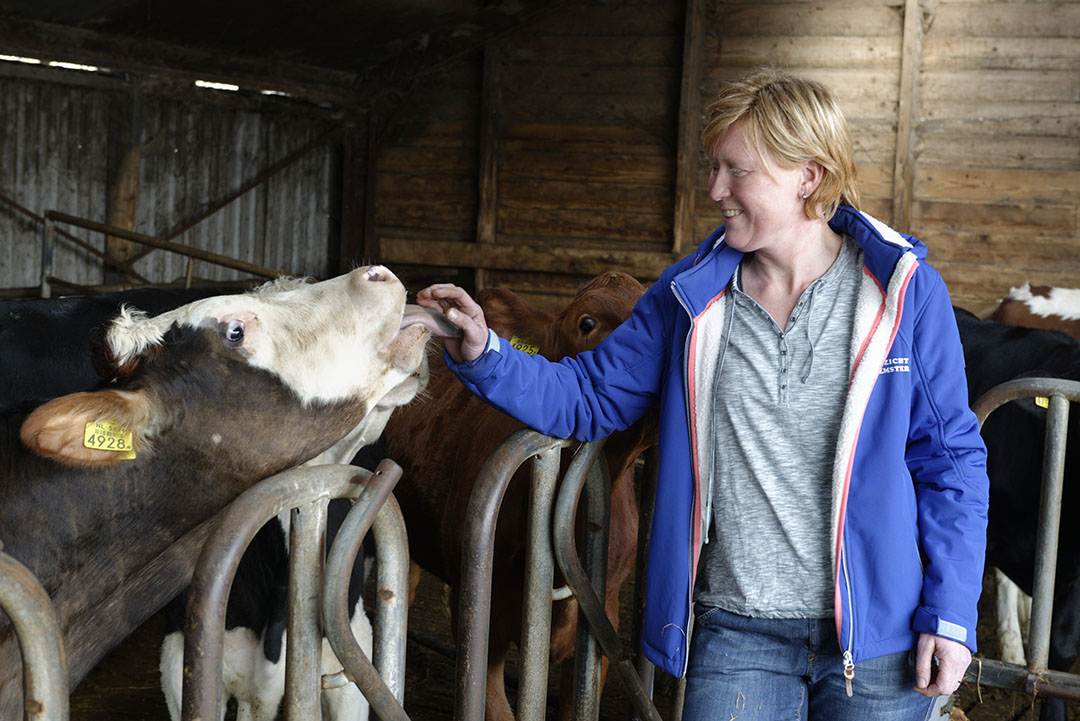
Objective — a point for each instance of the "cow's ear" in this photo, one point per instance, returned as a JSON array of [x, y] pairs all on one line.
[[90, 429]]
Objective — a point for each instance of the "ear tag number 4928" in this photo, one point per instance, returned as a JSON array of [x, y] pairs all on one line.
[[109, 436]]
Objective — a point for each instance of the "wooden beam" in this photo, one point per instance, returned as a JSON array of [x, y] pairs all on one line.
[[490, 133], [535, 257], [689, 125], [904, 163], [154, 59], [352, 248]]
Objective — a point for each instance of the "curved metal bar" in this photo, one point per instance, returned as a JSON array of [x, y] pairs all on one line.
[[391, 596], [45, 679], [336, 600], [202, 696], [588, 656], [539, 579], [1058, 392], [477, 557], [590, 605], [1023, 388]]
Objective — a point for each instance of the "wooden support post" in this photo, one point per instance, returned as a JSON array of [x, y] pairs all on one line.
[[490, 131], [690, 109], [907, 110], [125, 155], [352, 250]]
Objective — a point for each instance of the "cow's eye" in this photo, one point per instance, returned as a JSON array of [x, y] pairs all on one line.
[[586, 324], [235, 332]]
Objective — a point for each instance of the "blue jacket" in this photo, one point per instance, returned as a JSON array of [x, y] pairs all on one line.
[[910, 491]]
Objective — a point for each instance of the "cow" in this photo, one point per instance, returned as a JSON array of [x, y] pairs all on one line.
[[46, 351], [208, 399], [45, 343], [1041, 306], [442, 440], [994, 353]]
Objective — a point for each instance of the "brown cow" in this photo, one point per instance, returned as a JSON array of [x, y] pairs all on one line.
[[1041, 306], [442, 442]]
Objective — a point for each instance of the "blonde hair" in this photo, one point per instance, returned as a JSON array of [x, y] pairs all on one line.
[[797, 120]]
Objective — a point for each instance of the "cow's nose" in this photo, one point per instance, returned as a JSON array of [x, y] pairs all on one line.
[[378, 274]]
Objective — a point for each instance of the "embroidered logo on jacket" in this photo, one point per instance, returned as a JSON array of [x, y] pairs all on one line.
[[896, 365]]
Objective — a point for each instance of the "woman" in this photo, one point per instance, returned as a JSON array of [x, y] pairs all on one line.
[[821, 505]]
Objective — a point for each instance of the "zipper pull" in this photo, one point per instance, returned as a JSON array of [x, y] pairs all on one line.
[[849, 672]]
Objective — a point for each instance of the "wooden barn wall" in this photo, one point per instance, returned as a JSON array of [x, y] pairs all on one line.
[[54, 156], [572, 145]]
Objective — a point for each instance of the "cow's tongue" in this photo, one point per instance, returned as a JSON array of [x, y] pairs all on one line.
[[433, 320]]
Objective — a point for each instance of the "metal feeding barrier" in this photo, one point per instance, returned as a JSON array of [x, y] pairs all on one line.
[[307, 491], [27, 605], [1036, 678], [547, 541]]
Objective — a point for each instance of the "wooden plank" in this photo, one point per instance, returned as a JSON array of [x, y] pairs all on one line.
[[491, 105], [610, 168], [1018, 86], [1006, 20], [593, 81], [621, 20], [805, 19], [661, 50], [1052, 254], [828, 51], [567, 195], [651, 112], [454, 160], [904, 165], [861, 93], [547, 257], [430, 190], [996, 185], [649, 229], [1000, 151], [1001, 118], [584, 139], [1008, 53], [1022, 220], [689, 156]]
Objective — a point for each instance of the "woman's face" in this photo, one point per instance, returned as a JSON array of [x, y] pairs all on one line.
[[761, 202]]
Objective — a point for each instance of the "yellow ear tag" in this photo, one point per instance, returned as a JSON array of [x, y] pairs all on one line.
[[1042, 401], [524, 347], [109, 436]]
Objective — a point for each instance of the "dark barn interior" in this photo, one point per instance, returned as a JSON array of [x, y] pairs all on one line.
[[506, 143]]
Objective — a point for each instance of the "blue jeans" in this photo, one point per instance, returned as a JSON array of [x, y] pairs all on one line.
[[761, 669]]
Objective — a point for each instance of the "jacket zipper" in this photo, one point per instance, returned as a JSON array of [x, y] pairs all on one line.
[[689, 421], [849, 662]]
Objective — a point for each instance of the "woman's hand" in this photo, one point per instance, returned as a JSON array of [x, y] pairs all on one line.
[[953, 660], [461, 310]]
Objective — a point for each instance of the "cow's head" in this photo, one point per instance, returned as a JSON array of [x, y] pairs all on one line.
[[598, 307], [289, 346]]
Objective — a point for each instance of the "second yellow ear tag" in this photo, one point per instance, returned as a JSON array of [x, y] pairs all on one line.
[[109, 436], [524, 347], [1042, 401]]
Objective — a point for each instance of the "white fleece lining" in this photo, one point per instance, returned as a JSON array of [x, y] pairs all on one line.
[[709, 342], [865, 375]]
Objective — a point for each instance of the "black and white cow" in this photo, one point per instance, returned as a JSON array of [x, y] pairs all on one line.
[[1014, 435], [210, 397]]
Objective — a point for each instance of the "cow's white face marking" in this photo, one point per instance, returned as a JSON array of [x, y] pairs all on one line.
[[329, 341]]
